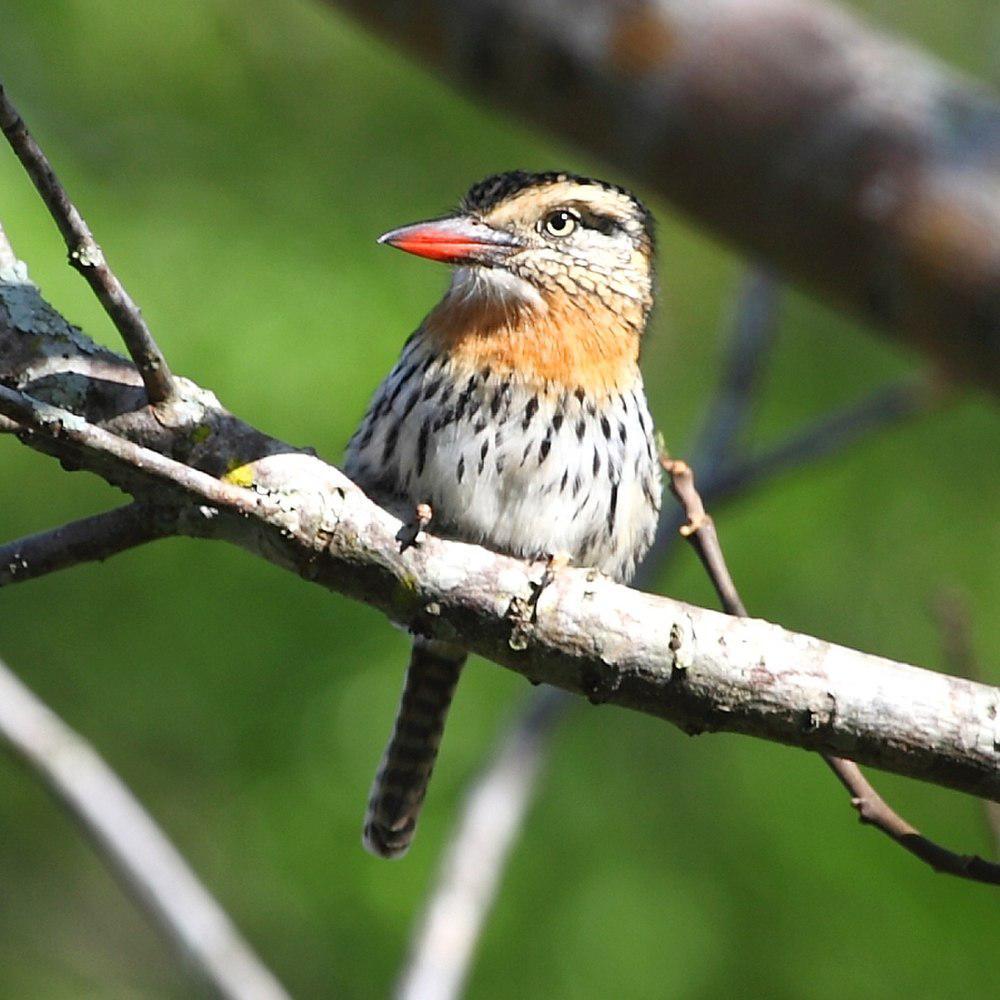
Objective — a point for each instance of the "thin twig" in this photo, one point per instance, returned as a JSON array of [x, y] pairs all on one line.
[[137, 851], [955, 621], [87, 257], [86, 540], [872, 808], [831, 434]]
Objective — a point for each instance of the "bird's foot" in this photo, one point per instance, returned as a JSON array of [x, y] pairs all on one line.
[[554, 562], [412, 532]]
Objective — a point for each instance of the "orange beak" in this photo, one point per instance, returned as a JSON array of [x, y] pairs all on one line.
[[457, 240]]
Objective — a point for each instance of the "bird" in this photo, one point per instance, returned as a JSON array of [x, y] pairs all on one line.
[[515, 417]]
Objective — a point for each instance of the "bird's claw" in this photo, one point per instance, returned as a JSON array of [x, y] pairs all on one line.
[[412, 532]]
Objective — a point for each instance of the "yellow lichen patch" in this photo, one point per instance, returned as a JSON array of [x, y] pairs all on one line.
[[240, 475]]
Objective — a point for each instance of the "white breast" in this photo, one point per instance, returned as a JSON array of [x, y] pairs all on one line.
[[525, 470]]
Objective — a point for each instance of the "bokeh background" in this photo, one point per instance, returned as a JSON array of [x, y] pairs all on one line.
[[236, 160]]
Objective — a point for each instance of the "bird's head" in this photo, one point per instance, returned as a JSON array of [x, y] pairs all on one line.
[[532, 240]]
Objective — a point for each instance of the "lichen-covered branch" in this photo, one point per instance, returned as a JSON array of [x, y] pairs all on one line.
[[856, 166], [697, 668]]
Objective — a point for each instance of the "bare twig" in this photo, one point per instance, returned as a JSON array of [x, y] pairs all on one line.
[[750, 344], [955, 621], [872, 808], [86, 540], [87, 257], [137, 851]]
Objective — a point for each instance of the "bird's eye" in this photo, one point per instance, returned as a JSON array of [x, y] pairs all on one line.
[[560, 223]]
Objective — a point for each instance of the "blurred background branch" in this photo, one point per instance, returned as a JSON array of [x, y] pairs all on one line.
[[855, 165], [132, 845]]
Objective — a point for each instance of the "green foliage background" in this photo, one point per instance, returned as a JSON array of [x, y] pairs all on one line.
[[236, 161]]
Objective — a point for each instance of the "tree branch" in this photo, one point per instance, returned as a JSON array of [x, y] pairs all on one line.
[[582, 633], [87, 257], [863, 169], [137, 851], [86, 540], [871, 807], [955, 622]]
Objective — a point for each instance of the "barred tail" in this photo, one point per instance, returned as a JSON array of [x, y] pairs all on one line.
[[403, 775]]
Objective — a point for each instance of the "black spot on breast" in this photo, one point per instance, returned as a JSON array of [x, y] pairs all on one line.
[[431, 391], [557, 422], [425, 433], [445, 418], [390, 442], [581, 429], [605, 427], [366, 438], [613, 508], [529, 412], [410, 403], [404, 376], [543, 450], [577, 486], [482, 454], [486, 373], [463, 400], [460, 471], [527, 449], [597, 462], [642, 416], [579, 393], [480, 425], [499, 396], [622, 433], [564, 481]]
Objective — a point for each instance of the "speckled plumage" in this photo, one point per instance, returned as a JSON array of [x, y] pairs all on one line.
[[525, 468], [517, 412]]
